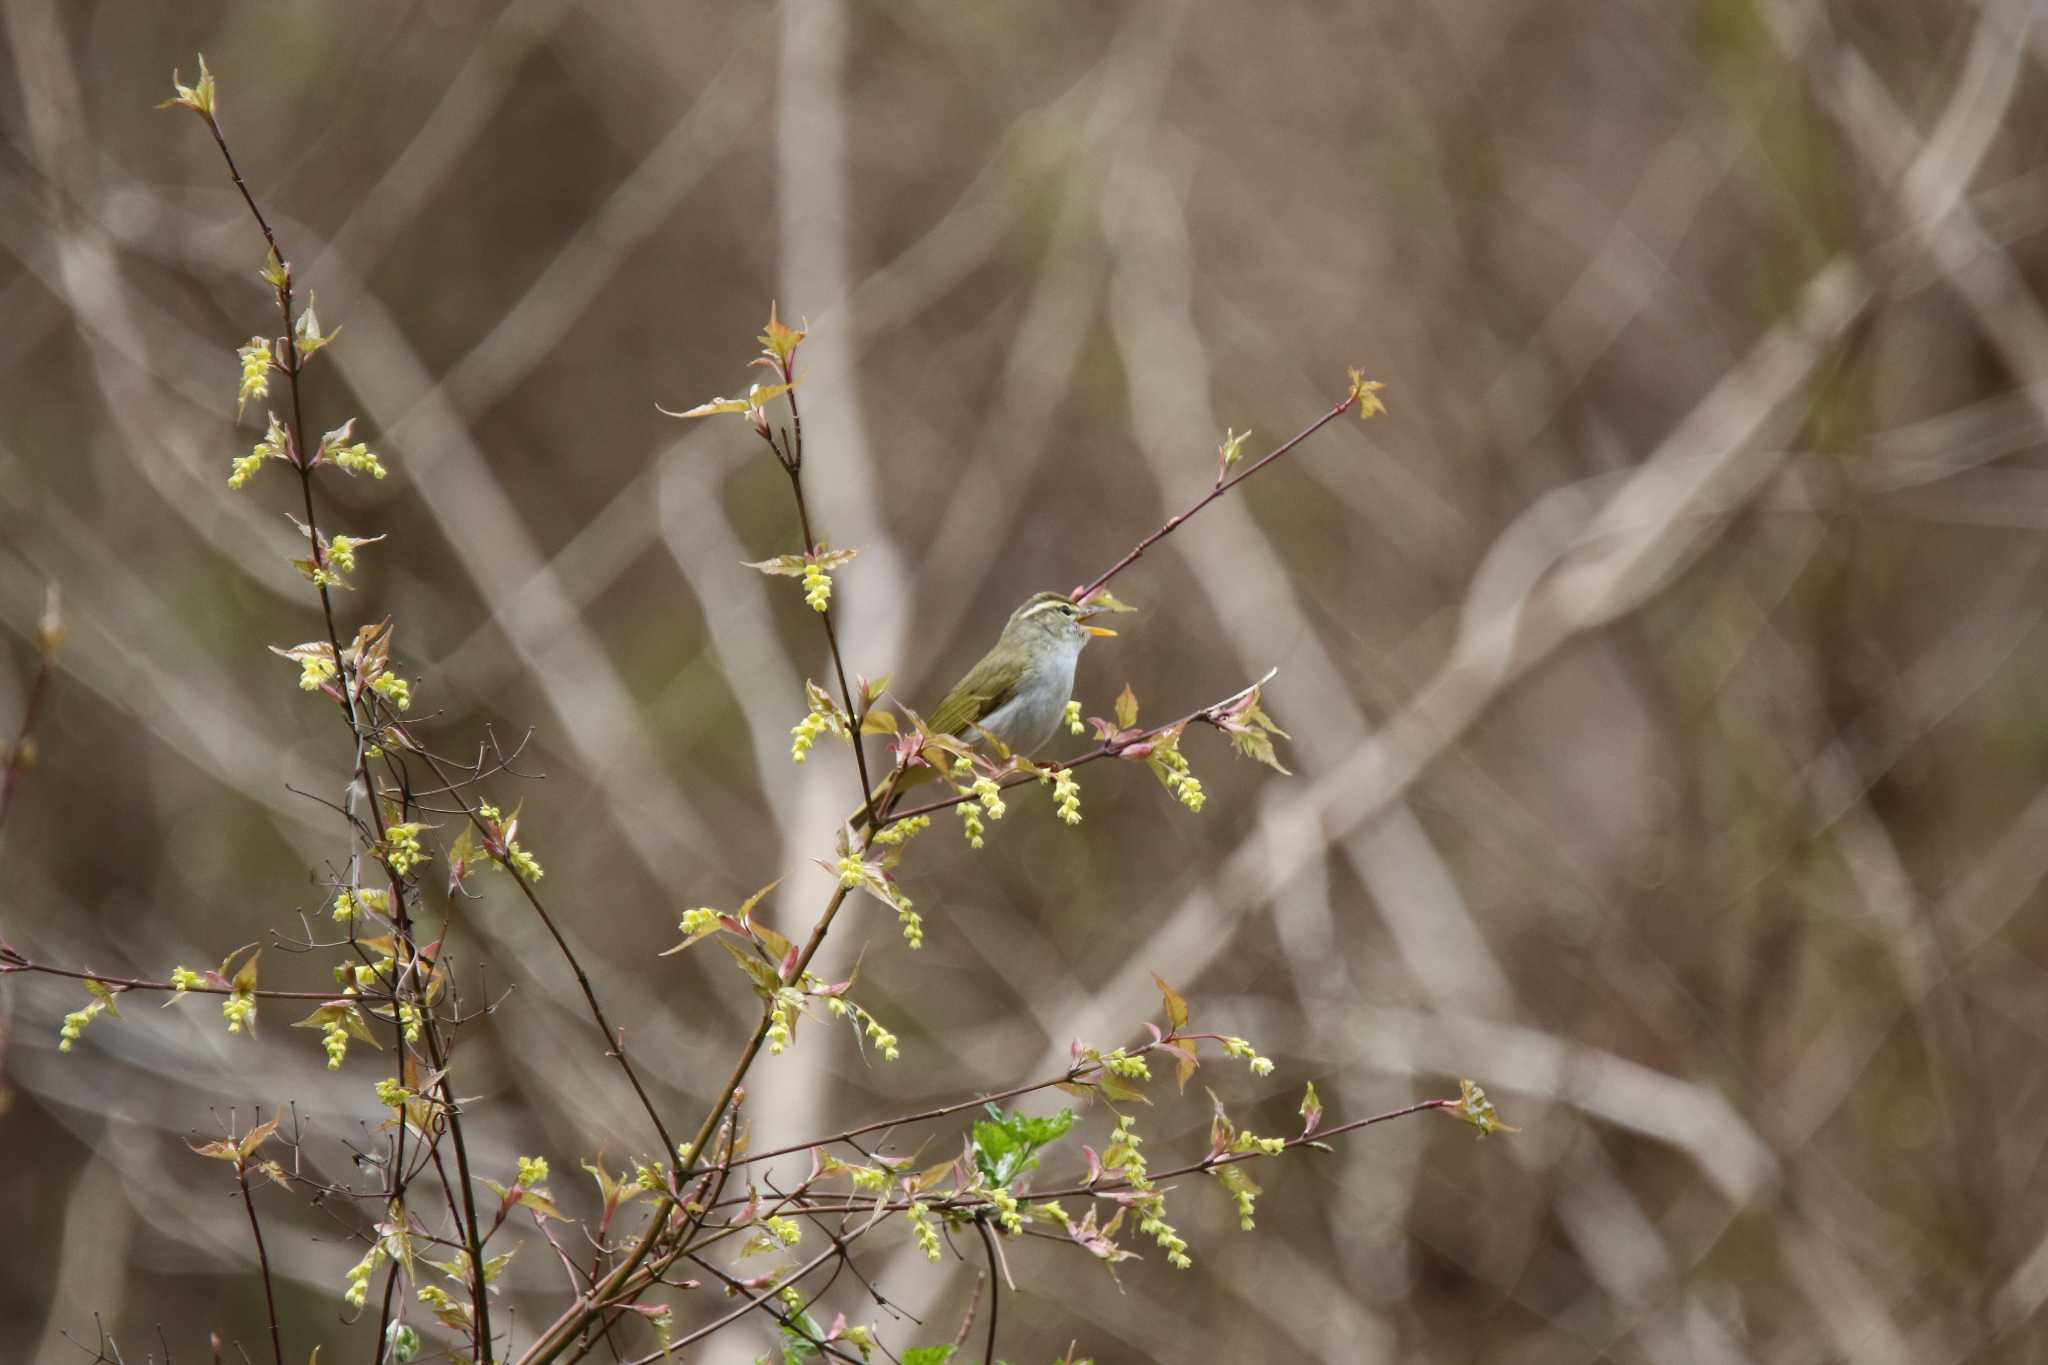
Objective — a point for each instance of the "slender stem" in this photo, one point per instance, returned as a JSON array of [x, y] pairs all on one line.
[[767, 1295], [978, 1201], [552, 1341], [350, 690], [294, 363], [1109, 748], [614, 1042], [262, 1259], [936, 1112], [480, 1293], [995, 1291], [793, 466], [379, 1346], [775, 1310], [1222, 486], [11, 961], [1210, 1163]]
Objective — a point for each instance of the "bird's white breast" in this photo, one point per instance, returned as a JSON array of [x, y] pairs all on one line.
[[1028, 719]]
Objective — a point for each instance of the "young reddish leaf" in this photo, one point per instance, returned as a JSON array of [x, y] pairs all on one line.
[[747, 905], [1311, 1110], [542, 1205], [1184, 1062], [464, 854], [788, 566], [255, 1138], [757, 395], [928, 1177], [245, 976], [1176, 1006], [778, 947], [766, 980], [834, 559], [780, 341], [1221, 1129]]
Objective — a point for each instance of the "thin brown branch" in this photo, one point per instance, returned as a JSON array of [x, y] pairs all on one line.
[[350, 692], [262, 1259], [995, 1291], [1221, 487], [1113, 747], [792, 465], [614, 1040], [12, 961], [1068, 1076]]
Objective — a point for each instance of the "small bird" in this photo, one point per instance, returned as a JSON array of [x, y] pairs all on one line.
[[1018, 692]]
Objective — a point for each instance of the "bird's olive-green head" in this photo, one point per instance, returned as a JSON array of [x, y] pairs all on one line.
[[1051, 616], [1018, 693], [1020, 687]]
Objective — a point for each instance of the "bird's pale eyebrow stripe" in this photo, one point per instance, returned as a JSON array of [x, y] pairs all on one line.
[[1052, 604]]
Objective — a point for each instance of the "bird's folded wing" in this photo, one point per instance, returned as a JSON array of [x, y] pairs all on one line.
[[979, 694]]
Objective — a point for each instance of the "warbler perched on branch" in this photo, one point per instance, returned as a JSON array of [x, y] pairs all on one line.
[[1018, 693]]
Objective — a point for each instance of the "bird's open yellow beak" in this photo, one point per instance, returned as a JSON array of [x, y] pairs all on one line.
[[1087, 610]]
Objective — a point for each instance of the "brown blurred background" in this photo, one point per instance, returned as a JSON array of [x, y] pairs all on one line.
[[1665, 669]]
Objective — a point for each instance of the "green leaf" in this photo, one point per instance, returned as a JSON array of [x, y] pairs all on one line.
[[1474, 1108], [245, 977], [1117, 1088], [789, 566], [929, 1355], [1102, 599], [1006, 1146], [804, 1332], [747, 905], [98, 991], [765, 978], [1126, 708], [756, 396]]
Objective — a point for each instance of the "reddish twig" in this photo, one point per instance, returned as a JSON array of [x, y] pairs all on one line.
[[262, 1259], [12, 961], [1221, 487], [1113, 747]]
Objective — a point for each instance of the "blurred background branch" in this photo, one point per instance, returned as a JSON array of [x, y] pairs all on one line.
[[1665, 671]]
